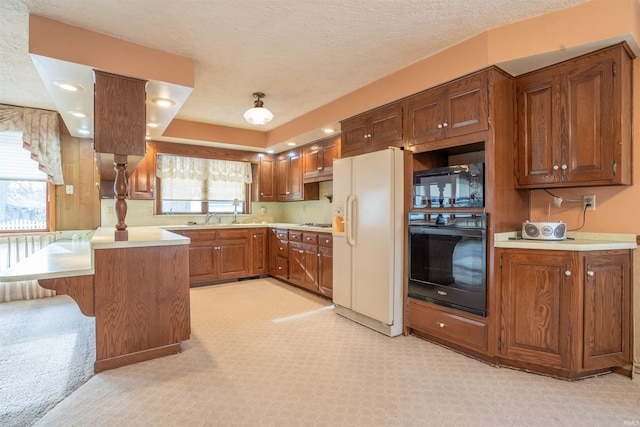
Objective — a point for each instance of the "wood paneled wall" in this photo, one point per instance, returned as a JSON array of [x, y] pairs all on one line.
[[80, 210]]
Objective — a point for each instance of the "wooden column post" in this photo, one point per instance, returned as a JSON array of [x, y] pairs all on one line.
[[121, 190]]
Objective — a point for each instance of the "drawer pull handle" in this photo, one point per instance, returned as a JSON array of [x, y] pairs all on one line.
[[442, 324]]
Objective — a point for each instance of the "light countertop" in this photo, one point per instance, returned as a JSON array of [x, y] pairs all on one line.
[[104, 238], [59, 259], [283, 225], [576, 242], [69, 259]]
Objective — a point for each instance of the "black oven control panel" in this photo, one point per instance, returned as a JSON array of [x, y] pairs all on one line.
[[447, 219]]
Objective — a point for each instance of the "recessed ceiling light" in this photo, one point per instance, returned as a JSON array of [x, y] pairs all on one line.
[[291, 144], [163, 102], [84, 131], [270, 151], [153, 125], [70, 86], [77, 114], [328, 130]]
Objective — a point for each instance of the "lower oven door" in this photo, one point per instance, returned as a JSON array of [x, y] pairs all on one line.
[[447, 266]]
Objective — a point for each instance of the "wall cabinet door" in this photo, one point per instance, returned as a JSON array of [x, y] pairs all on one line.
[[607, 310], [142, 182], [374, 130], [537, 289], [267, 179], [455, 109], [574, 122], [290, 184], [318, 159]]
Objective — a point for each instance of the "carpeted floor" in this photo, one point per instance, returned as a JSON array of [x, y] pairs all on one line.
[[47, 350], [266, 354]]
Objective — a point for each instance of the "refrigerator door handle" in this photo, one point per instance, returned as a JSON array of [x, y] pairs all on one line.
[[351, 204]]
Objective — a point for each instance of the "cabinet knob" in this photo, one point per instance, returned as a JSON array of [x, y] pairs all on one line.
[[301, 251], [564, 167], [439, 126], [254, 236], [591, 273], [281, 249], [287, 192], [442, 324], [319, 168], [318, 255], [326, 241], [262, 194], [445, 124], [555, 167], [567, 273]]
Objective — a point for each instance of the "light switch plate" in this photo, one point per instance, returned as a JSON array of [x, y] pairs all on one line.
[[69, 189]]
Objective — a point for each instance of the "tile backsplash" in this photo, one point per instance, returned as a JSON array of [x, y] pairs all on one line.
[[141, 212]]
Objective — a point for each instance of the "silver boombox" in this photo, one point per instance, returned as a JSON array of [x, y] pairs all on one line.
[[544, 230]]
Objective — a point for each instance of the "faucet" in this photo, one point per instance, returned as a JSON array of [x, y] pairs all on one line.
[[208, 217]]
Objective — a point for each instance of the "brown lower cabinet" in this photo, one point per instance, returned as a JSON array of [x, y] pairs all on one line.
[[565, 313], [303, 258], [218, 255]]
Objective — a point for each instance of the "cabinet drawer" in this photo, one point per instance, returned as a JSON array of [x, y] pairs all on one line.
[[282, 234], [295, 236], [448, 326], [310, 238], [325, 239], [282, 249], [282, 266], [233, 234]]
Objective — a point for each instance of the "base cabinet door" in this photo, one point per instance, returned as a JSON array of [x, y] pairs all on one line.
[[259, 251], [566, 313], [201, 266], [233, 255], [325, 265], [536, 291], [607, 310]]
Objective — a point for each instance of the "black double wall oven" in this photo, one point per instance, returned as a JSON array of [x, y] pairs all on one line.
[[448, 248]]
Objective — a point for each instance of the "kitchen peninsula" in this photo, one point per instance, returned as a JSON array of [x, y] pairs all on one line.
[[138, 290]]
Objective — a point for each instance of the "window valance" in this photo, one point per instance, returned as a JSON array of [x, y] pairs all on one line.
[[170, 166], [40, 136]]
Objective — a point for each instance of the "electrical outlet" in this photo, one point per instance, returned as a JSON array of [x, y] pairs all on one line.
[[589, 202]]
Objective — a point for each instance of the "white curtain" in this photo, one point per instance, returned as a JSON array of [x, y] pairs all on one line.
[[169, 166], [40, 135]]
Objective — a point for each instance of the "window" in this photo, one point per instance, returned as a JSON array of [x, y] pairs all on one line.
[[23, 187], [199, 186]]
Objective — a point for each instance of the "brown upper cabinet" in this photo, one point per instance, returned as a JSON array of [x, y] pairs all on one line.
[[574, 122], [453, 109], [267, 179], [289, 175], [373, 130], [317, 159], [119, 114], [142, 181]]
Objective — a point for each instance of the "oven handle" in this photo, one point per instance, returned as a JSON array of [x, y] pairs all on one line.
[[447, 231], [351, 205]]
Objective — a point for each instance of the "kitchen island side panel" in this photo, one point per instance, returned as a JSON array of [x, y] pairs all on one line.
[[142, 303]]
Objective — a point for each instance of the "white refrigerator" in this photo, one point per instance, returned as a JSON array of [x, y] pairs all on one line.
[[368, 224]]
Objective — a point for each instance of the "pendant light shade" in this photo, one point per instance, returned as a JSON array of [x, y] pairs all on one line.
[[258, 115]]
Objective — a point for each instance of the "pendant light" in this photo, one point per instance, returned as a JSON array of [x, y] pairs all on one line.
[[258, 115]]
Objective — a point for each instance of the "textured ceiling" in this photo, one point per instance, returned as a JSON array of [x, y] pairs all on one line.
[[301, 53]]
